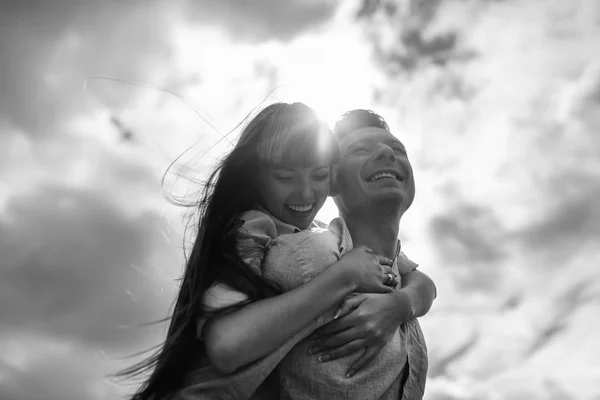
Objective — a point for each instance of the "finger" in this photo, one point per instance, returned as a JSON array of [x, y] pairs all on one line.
[[349, 304], [389, 270], [385, 261], [390, 280], [368, 356], [330, 343], [343, 351], [385, 289], [334, 327]]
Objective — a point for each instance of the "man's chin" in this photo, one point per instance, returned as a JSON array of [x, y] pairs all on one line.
[[387, 193], [390, 200]]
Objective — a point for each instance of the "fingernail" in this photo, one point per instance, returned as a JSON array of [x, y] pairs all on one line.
[[350, 374], [324, 358], [337, 315], [312, 351]]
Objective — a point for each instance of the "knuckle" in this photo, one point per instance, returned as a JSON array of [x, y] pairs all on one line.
[[372, 329]]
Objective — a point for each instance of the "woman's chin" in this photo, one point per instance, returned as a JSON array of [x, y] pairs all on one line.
[[299, 219]]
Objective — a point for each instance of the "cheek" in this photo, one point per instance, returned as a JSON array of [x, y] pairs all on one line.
[[349, 180], [322, 190], [273, 194]]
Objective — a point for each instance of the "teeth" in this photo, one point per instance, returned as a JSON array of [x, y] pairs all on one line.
[[299, 208], [382, 175]]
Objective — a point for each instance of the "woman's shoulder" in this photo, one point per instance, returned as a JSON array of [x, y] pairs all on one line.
[[311, 241], [258, 224]]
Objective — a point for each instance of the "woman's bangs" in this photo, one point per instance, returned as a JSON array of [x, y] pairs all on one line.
[[300, 147]]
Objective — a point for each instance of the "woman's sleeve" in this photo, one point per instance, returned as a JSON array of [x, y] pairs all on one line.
[[256, 233], [218, 297], [255, 236]]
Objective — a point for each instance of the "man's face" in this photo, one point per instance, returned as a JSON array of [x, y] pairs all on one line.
[[374, 168]]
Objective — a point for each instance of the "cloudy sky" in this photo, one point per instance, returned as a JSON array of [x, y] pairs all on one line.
[[498, 103]]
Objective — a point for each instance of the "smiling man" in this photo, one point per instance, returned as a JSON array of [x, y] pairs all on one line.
[[373, 188]]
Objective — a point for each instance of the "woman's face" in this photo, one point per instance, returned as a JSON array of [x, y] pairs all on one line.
[[294, 194]]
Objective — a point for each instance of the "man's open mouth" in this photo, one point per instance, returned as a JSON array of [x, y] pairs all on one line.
[[385, 175]]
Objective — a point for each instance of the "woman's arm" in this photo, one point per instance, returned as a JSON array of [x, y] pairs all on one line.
[[420, 291], [238, 338], [235, 339]]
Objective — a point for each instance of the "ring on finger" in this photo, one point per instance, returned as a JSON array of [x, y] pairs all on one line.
[[390, 278]]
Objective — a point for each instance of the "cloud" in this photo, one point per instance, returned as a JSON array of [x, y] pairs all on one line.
[[468, 239], [88, 254], [417, 40], [38, 367], [49, 48], [75, 266], [88, 250], [263, 19]]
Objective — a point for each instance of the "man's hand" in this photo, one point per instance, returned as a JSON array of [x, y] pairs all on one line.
[[366, 322]]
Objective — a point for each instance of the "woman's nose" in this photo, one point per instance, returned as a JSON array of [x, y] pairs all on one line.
[[305, 190]]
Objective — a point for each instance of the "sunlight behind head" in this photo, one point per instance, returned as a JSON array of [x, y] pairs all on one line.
[[329, 99]]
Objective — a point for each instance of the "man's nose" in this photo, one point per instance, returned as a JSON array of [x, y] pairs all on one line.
[[384, 151]]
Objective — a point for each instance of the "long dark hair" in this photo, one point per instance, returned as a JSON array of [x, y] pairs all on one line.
[[279, 132]]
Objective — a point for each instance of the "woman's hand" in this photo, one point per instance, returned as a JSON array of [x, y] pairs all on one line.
[[370, 272], [367, 321]]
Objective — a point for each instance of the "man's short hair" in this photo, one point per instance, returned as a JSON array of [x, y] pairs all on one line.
[[357, 119]]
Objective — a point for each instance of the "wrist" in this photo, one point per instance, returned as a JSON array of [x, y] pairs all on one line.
[[346, 276], [405, 303]]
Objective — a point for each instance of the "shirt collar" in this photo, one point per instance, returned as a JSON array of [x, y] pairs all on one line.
[[282, 227], [339, 227]]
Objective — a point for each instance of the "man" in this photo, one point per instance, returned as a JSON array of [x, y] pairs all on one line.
[[373, 188]]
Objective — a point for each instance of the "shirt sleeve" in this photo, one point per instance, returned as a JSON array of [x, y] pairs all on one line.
[[405, 265], [256, 233]]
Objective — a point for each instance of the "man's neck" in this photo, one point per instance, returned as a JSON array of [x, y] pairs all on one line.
[[376, 231]]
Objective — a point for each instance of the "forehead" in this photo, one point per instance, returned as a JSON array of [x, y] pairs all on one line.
[[370, 134]]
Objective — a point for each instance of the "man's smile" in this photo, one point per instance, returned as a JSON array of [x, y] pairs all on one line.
[[385, 174]]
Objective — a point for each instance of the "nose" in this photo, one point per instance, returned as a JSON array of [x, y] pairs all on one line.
[[384, 151], [305, 190]]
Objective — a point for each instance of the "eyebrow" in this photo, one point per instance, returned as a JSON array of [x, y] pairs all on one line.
[[397, 142], [360, 142]]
